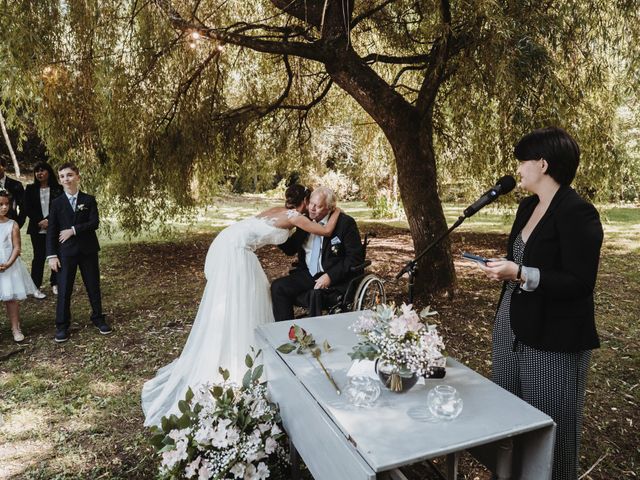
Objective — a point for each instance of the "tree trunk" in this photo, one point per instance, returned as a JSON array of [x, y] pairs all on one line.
[[417, 179], [411, 138]]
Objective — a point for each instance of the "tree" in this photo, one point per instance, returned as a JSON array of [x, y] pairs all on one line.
[[170, 91]]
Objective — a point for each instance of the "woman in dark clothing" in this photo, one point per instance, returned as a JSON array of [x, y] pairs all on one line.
[[37, 199], [544, 328]]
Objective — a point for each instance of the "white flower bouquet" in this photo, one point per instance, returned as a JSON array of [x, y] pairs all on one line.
[[400, 338], [225, 431]]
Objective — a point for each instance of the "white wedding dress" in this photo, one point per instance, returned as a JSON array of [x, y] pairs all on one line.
[[235, 301]]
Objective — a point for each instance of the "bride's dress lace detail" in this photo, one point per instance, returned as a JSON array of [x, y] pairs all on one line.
[[235, 301], [292, 213]]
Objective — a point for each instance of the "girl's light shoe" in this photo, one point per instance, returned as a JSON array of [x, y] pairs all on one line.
[[18, 336], [39, 295], [54, 289]]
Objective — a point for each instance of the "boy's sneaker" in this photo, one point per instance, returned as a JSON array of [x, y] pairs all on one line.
[[54, 289], [104, 329], [61, 336]]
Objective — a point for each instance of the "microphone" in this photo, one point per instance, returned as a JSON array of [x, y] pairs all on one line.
[[502, 186]]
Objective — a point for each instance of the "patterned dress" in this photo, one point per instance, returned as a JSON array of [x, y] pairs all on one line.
[[553, 382]]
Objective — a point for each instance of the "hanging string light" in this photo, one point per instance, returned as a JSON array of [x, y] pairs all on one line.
[[194, 37]]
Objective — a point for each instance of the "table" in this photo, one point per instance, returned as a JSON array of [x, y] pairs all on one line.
[[339, 441]]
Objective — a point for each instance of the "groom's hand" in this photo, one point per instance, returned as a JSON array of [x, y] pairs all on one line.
[[323, 282]]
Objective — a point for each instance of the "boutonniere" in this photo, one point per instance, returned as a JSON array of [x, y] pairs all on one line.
[[335, 245], [81, 207]]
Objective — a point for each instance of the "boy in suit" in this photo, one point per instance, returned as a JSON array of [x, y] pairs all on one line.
[[72, 243]]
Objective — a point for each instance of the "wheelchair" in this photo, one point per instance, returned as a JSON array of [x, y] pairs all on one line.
[[364, 290]]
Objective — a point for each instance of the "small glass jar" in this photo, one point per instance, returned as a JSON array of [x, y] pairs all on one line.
[[362, 391], [444, 402]]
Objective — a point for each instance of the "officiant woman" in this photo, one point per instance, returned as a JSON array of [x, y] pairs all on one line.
[[544, 328]]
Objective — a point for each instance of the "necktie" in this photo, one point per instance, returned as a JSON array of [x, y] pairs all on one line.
[[73, 203], [315, 254]]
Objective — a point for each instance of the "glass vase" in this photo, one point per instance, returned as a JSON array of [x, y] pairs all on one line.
[[394, 378]]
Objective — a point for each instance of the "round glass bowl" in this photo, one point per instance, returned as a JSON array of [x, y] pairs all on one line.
[[362, 391], [444, 402]]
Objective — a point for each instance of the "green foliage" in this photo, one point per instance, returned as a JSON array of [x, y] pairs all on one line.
[[158, 127]]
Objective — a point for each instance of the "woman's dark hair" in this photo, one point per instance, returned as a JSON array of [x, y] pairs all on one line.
[[557, 147], [295, 195], [52, 181]]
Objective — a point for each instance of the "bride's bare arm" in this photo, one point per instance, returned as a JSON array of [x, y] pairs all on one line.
[[307, 225]]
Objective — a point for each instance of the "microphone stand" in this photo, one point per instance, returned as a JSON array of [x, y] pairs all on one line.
[[412, 266]]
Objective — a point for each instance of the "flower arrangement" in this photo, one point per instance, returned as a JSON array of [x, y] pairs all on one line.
[[400, 338], [225, 432]]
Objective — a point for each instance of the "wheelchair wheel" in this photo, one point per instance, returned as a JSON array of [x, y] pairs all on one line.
[[369, 293]]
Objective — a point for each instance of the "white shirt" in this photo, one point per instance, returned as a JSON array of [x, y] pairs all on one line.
[[308, 245], [44, 204]]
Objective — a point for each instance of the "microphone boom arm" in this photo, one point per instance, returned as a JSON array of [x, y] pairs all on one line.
[[412, 265], [503, 186]]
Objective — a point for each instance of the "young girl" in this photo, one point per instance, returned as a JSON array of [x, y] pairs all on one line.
[[15, 282]]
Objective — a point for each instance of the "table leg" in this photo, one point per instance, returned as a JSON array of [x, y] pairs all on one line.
[[504, 459], [452, 466], [394, 474], [294, 457]]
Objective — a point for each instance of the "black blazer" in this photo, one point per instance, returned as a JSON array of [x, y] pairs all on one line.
[[341, 251], [32, 206], [85, 221], [565, 245], [16, 190]]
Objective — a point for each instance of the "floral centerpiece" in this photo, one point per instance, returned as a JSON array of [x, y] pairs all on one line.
[[401, 340], [225, 431]]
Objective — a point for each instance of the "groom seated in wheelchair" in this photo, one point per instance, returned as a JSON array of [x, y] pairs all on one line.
[[325, 265]]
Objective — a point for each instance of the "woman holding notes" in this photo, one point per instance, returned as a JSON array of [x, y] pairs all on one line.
[[544, 328]]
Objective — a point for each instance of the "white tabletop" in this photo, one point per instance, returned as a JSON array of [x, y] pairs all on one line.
[[397, 430]]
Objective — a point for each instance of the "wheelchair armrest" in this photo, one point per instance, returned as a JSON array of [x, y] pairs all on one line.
[[362, 266]]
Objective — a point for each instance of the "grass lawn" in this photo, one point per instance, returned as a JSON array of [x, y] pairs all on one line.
[[73, 410]]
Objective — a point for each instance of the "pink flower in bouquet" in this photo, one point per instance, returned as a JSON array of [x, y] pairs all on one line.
[[398, 326]]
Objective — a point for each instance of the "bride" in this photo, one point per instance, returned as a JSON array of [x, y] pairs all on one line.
[[235, 301]]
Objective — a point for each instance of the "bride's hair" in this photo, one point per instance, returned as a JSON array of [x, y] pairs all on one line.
[[295, 195]]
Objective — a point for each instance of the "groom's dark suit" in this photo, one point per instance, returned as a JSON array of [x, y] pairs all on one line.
[[81, 250], [341, 251]]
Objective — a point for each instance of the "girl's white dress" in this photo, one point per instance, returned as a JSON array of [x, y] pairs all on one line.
[[15, 282], [235, 301]]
